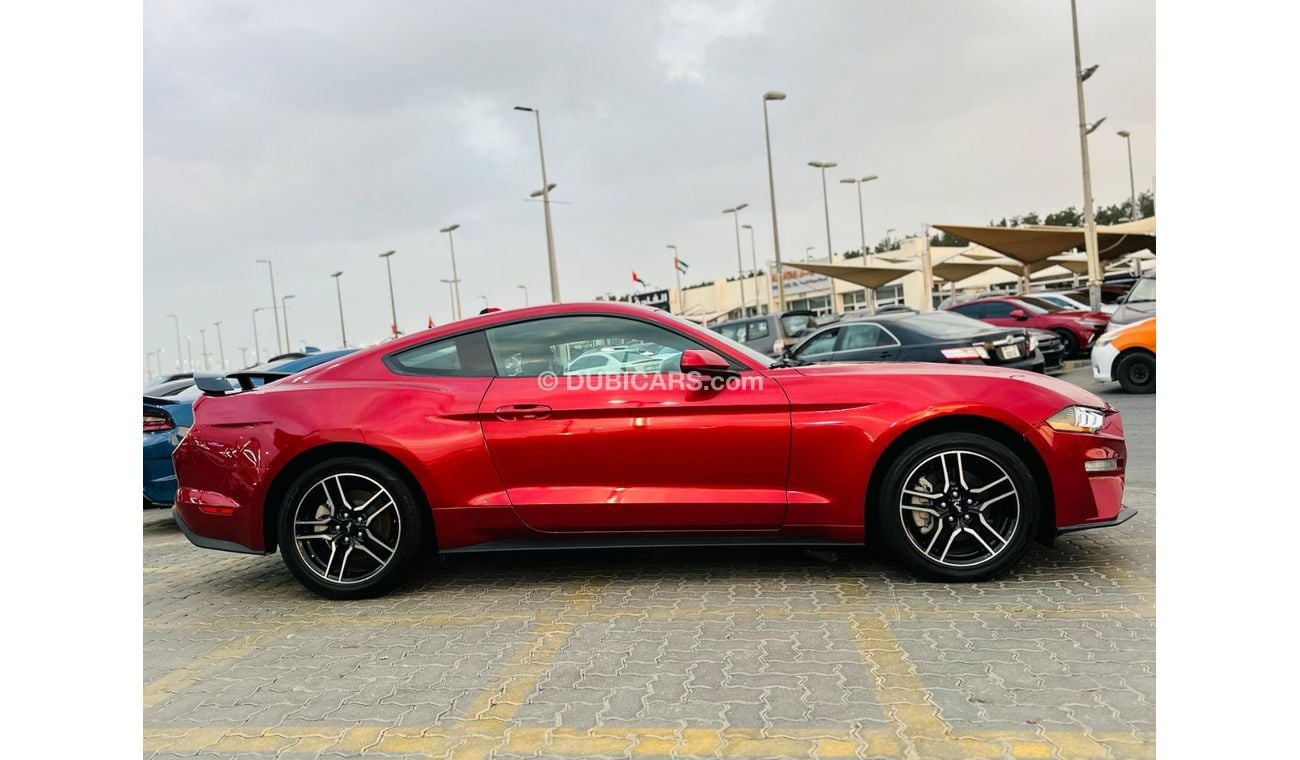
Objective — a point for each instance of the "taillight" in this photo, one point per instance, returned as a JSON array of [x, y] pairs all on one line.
[[156, 421], [965, 354]]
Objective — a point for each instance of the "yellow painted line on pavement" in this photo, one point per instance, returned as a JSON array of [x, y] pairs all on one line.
[[461, 740]]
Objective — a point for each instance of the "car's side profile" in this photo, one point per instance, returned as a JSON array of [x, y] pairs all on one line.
[[470, 437], [1076, 329]]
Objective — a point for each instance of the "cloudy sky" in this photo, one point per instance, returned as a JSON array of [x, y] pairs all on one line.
[[319, 134]]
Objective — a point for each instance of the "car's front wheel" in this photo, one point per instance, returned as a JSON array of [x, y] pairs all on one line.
[[350, 528], [958, 507], [1136, 373], [1069, 343]]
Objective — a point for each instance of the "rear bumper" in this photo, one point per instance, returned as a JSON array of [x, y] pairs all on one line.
[[205, 542], [1126, 513], [159, 475]]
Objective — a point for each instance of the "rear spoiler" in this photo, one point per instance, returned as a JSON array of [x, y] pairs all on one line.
[[213, 384]]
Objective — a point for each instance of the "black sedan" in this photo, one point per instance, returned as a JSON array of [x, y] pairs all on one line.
[[911, 337], [1050, 346]]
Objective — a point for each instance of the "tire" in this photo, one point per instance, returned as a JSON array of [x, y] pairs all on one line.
[[924, 535], [381, 543], [1136, 373], [1069, 343]]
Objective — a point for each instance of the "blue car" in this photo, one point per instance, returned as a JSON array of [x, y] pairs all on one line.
[[167, 419]]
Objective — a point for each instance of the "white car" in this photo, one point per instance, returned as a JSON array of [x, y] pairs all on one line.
[[1066, 302], [615, 361]]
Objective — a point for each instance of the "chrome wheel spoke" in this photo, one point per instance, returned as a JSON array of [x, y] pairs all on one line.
[[310, 536], [990, 529], [961, 473], [938, 528], [927, 510], [948, 547], [943, 462], [366, 549], [985, 505], [983, 543], [987, 486], [371, 536], [922, 494], [326, 521], [375, 513], [344, 564]]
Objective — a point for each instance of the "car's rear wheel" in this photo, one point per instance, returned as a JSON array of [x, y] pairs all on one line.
[[350, 528], [1136, 373], [958, 507], [1069, 343]]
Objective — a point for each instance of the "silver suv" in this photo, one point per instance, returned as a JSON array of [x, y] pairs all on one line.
[[769, 334]]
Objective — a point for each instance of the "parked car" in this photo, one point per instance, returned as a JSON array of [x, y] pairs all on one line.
[[1069, 303], [358, 469], [1111, 294], [1127, 354], [1077, 329], [769, 334], [170, 377], [1050, 346], [1138, 304], [168, 418], [939, 336]]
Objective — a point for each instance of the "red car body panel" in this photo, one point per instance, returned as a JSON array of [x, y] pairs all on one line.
[[791, 459]]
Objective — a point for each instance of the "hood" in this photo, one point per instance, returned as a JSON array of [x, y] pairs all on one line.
[[1071, 393]]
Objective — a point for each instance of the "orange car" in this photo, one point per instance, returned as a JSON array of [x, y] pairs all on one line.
[[1127, 354]]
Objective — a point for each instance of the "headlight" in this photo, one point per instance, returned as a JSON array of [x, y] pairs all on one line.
[[1105, 339], [1092, 325], [1077, 419]]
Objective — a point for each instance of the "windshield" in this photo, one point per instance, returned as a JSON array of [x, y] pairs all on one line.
[[945, 324], [1143, 290], [796, 324]]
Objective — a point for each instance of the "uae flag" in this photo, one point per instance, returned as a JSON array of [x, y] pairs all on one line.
[[637, 279], [682, 266]]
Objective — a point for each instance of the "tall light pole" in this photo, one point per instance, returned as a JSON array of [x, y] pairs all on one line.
[[525, 289], [338, 289], [826, 205], [862, 230], [243, 352], [753, 260], [274, 313], [203, 344], [546, 207], [451, 295], [284, 306], [771, 186], [257, 344], [221, 348], [177, 322], [1134, 214], [740, 264], [1089, 221], [189, 352], [455, 278], [392, 301], [486, 305]]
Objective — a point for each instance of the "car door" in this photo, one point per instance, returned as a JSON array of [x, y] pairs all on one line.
[[999, 313], [865, 342], [643, 450]]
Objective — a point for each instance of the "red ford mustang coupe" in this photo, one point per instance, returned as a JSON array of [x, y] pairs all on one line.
[[501, 432]]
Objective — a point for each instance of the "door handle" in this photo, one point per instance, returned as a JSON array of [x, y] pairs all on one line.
[[523, 411]]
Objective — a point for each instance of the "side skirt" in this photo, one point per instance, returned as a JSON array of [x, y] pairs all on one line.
[[647, 542]]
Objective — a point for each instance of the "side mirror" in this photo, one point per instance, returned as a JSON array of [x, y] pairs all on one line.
[[1019, 314], [705, 362]]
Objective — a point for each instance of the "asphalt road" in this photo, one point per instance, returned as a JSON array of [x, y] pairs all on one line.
[[701, 653]]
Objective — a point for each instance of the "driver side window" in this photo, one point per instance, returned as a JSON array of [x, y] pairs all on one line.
[[820, 345], [586, 345]]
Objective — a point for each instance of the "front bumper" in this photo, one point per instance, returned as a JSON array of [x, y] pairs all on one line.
[[1103, 359], [1126, 513]]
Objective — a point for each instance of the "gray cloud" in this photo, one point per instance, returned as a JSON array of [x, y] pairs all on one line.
[[321, 133]]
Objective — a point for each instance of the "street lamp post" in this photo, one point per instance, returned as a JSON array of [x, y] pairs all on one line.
[[771, 186], [451, 295], [525, 289], [455, 278], [546, 207], [243, 353], [740, 264], [753, 260], [177, 322], [1089, 221], [807, 252], [1134, 214], [203, 344], [338, 289], [862, 230], [284, 306], [189, 352], [826, 205], [221, 348], [392, 301], [257, 344], [270, 271]]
